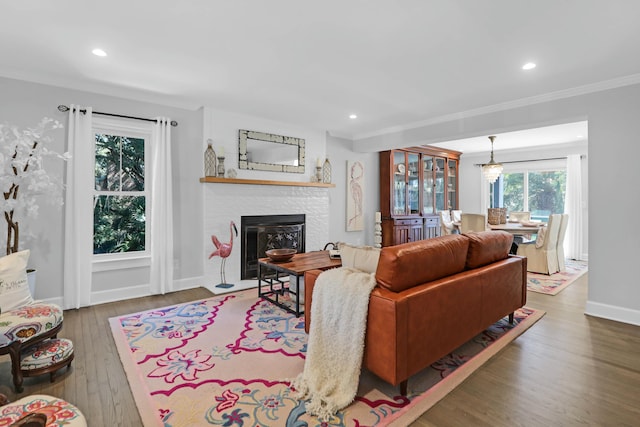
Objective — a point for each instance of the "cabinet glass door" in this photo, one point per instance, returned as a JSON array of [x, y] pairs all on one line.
[[413, 183], [399, 184], [440, 184], [427, 185], [452, 184]]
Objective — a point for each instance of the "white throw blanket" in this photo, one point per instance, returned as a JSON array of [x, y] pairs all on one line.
[[331, 374]]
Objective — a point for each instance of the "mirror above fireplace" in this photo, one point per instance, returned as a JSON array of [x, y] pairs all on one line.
[[268, 152]]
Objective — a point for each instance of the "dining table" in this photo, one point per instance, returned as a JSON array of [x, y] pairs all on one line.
[[518, 228]]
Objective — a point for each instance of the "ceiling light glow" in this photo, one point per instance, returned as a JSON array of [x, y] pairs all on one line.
[[529, 66], [99, 52], [353, 116]]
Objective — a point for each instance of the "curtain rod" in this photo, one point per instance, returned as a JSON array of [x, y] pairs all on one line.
[[582, 156], [64, 109]]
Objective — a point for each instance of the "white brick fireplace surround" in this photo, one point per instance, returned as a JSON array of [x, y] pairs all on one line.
[[229, 202]]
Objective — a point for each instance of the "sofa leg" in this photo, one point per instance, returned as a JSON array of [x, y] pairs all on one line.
[[511, 319], [403, 387]]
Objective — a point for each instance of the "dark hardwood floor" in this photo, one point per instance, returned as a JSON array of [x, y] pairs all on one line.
[[568, 369]]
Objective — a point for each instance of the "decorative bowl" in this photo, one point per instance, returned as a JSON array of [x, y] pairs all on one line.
[[280, 255]]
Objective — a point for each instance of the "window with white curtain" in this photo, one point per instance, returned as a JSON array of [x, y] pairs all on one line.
[[121, 197]]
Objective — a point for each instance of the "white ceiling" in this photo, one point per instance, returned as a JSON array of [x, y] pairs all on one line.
[[393, 63], [548, 135]]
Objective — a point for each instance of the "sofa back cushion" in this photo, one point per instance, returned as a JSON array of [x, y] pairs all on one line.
[[403, 266], [486, 247]]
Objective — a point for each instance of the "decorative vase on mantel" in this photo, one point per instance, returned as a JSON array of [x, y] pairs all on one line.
[[326, 172], [209, 160]]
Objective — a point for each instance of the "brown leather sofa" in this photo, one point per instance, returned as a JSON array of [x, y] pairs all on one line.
[[433, 296]]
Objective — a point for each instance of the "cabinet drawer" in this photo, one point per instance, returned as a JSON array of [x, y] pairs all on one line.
[[431, 221], [416, 221]]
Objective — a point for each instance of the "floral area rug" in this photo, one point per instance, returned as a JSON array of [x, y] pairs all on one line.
[[554, 283], [228, 361]]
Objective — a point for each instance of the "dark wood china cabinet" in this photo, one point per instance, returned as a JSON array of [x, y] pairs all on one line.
[[415, 184]]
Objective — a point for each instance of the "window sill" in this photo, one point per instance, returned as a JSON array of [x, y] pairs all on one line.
[[121, 263]]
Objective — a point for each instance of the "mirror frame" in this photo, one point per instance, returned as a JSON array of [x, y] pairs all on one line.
[[243, 163]]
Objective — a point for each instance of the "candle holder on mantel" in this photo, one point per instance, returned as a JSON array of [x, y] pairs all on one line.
[[221, 166], [318, 173]]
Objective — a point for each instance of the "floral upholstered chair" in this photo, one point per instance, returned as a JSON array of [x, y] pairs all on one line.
[[40, 410], [23, 321]]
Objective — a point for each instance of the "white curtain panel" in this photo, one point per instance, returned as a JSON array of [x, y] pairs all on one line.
[[485, 193], [573, 244], [78, 218], [161, 209]]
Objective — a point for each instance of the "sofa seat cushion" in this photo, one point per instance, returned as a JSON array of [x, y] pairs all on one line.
[[403, 266], [30, 320], [486, 247], [59, 412]]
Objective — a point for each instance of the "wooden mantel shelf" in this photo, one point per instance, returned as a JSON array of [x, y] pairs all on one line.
[[264, 182]]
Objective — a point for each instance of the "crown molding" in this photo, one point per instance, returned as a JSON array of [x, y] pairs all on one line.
[[538, 99]]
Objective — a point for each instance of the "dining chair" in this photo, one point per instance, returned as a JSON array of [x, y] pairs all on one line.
[[560, 246], [542, 255], [455, 215], [446, 224], [472, 222], [520, 216]]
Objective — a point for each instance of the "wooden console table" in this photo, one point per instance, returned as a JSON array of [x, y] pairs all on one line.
[[269, 272]]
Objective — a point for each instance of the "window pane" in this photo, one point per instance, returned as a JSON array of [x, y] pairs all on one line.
[[107, 169], [546, 194], [132, 164], [118, 224], [513, 191], [119, 161]]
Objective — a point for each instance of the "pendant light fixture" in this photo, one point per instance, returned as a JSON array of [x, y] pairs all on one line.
[[492, 170]]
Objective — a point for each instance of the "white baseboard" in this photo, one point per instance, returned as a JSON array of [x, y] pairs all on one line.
[[612, 312], [113, 295]]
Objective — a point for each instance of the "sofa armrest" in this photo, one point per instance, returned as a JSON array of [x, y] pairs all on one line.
[[310, 278]]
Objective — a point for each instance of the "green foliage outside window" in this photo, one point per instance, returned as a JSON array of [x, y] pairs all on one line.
[[120, 203], [118, 224], [545, 192]]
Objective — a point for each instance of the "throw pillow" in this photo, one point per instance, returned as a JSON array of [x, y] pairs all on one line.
[[363, 258], [14, 288]]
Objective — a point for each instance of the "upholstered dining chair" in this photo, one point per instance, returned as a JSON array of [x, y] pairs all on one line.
[[542, 256], [456, 215], [446, 223], [520, 216], [472, 222], [560, 246]]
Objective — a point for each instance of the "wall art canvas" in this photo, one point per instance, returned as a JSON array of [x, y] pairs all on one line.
[[355, 193]]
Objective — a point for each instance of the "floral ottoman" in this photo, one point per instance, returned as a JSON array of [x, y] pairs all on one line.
[[46, 357], [57, 411]]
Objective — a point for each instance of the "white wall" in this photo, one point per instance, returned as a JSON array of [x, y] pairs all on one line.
[[614, 126], [339, 152]]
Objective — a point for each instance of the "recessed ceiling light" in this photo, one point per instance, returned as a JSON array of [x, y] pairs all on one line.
[[579, 136], [353, 116], [99, 52], [529, 66]]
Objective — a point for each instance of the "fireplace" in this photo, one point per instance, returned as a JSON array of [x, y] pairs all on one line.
[[260, 233]]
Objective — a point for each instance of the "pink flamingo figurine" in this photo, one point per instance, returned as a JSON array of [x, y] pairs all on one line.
[[223, 250]]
